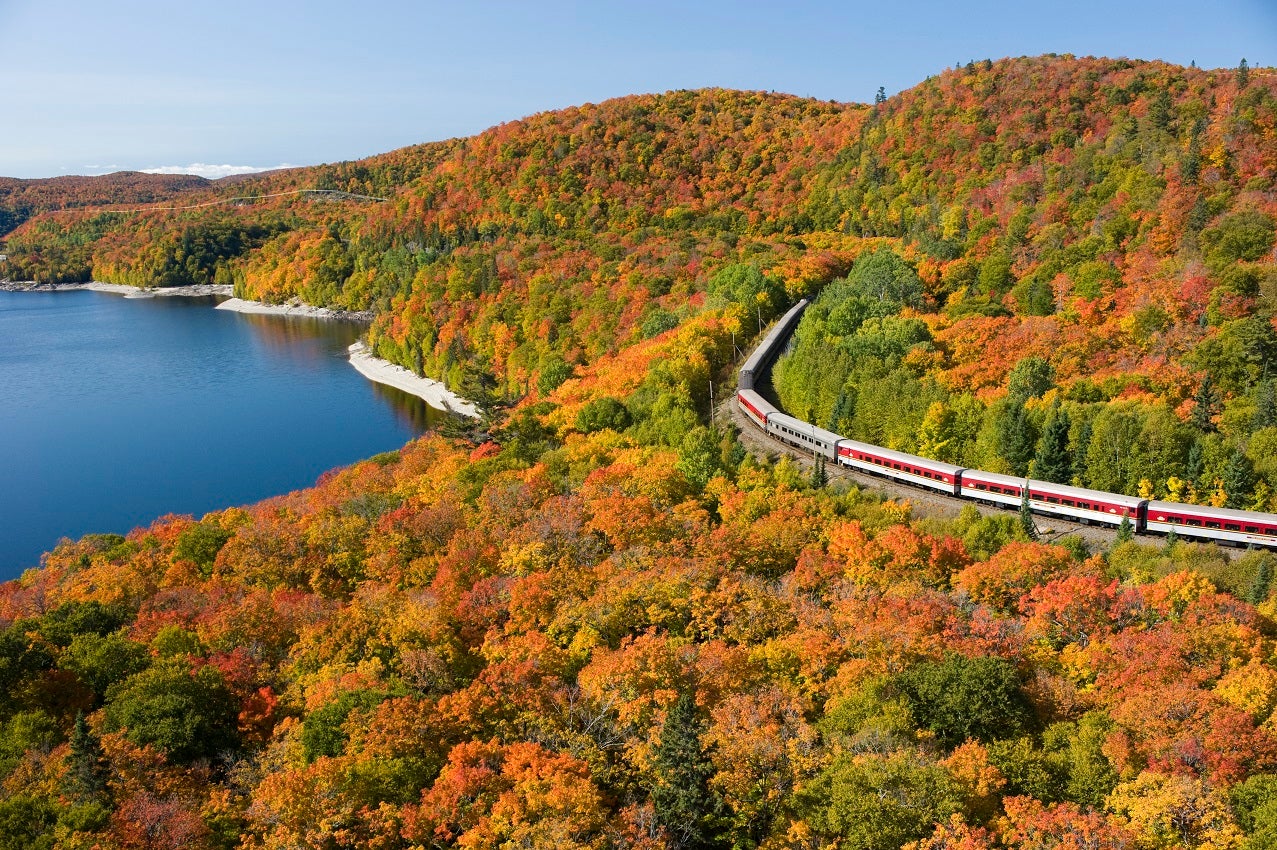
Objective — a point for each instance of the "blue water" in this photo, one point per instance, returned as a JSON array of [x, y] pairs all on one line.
[[114, 411]]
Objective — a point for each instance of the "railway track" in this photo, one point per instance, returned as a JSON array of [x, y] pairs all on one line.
[[924, 502]]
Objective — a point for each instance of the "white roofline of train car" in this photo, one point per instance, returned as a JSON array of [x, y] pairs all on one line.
[[804, 427], [764, 406], [1207, 510], [764, 348], [902, 457], [1052, 488]]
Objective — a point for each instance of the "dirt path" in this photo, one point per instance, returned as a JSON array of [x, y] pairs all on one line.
[[924, 502]]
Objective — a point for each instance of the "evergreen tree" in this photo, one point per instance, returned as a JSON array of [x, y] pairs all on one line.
[[1261, 584], [1125, 531], [1026, 515], [1052, 462], [1206, 406], [1265, 405], [85, 777], [685, 805], [1016, 441], [881, 95], [819, 475], [1196, 464], [1239, 480], [1243, 74], [1171, 539]]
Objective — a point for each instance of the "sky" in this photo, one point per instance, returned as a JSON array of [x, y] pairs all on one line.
[[197, 86]]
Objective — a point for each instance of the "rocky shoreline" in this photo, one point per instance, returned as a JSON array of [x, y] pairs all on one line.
[[433, 392], [127, 291], [294, 308]]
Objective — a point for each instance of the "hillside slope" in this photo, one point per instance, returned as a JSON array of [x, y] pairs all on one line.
[[607, 626]]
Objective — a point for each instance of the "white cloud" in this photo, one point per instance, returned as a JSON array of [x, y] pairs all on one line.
[[212, 172]]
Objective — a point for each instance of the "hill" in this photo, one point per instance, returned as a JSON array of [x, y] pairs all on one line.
[[606, 625], [22, 199]]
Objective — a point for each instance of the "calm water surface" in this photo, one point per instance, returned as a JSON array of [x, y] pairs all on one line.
[[114, 411]]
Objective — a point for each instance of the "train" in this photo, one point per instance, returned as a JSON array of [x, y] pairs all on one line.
[[1078, 504]]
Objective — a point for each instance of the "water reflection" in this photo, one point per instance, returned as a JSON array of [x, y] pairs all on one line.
[[411, 411], [283, 333]]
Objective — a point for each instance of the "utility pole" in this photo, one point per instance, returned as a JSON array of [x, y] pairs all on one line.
[[759, 308], [711, 404]]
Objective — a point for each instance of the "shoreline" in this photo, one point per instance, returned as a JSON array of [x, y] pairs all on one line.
[[295, 308], [197, 290], [429, 390], [432, 392]]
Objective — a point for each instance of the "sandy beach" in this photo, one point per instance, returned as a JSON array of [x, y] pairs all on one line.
[[384, 372], [295, 308]]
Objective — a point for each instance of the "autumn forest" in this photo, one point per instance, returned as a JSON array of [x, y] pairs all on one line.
[[595, 619]]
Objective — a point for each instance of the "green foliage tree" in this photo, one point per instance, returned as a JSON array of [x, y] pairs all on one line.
[[85, 777], [600, 413], [1205, 406], [1125, 530], [961, 698], [1053, 462], [323, 732], [686, 807], [27, 823], [1027, 525], [1030, 378], [1261, 584], [879, 802], [101, 661], [200, 544], [1016, 438], [188, 714], [1239, 480]]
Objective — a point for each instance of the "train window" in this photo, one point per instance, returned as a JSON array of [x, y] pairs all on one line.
[[1195, 522], [1068, 502], [1210, 524], [1228, 526], [1053, 500], [1250, 529]]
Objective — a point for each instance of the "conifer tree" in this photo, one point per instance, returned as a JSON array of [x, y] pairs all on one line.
[[85, 777], [1261, 584], [1206, 406], [1016, 440], [1238, 479], [1195, 466], [685, 805], [1265, 405], [1026, 515], [1125, 530], [1052, 462], [819, 475]]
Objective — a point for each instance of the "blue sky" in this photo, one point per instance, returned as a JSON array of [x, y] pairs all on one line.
[[90, 86]]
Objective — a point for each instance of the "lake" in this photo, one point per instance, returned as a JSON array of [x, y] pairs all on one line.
[[115, 411]]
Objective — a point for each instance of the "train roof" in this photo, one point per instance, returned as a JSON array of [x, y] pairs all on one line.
[[1060, 489], [1208, 511], [760, 404], [902, 457], [780, 329], [803, 427]]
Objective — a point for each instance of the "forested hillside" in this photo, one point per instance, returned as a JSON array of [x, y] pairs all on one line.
[[602, 623], [22, 199]]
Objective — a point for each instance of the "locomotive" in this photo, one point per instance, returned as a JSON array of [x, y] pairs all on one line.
[[1146, 516]]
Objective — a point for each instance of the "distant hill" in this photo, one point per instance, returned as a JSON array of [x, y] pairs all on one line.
[[22, 199]]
